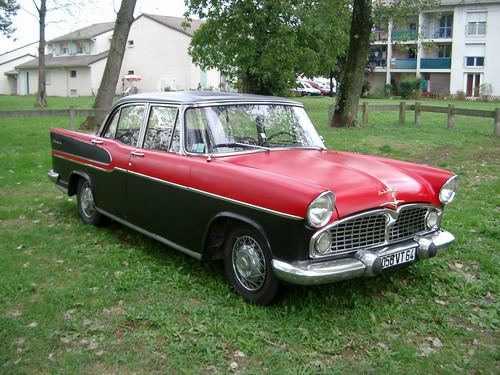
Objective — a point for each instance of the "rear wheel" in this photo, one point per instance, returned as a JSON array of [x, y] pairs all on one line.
[[86, 205], [247, 262]]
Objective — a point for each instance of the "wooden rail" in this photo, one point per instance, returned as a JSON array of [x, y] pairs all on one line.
[[451, 111], [72, 112]]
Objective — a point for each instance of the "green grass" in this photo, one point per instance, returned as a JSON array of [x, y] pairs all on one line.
[[75, 299]]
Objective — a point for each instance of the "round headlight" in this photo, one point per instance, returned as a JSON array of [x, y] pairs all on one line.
[[320, 210], [323, 242], [432, 219], [449, 190]]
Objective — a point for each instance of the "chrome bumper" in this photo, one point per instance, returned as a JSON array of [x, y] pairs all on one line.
[[365, 263], [54, 178]]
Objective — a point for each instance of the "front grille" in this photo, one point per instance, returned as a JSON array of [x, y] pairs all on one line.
[[380, 227], [360, 232], [410, 222]]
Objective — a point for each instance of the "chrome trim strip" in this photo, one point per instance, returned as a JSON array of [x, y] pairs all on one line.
[[163, 240], [216, 196], [314, 273], [155, 179], [263, 209]]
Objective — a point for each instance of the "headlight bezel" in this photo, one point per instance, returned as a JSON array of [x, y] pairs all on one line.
[[320, 210], [449, 189]]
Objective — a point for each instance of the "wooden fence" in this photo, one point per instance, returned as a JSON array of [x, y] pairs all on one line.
[[451, 112], [71, 113]]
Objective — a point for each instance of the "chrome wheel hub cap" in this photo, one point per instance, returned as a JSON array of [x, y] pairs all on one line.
[[249, 263]]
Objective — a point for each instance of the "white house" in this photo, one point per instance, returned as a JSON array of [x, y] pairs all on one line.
[[8, 61], [157, 52], [453, 48]]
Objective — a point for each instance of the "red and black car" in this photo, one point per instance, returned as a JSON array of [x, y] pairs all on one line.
[[247, 179]]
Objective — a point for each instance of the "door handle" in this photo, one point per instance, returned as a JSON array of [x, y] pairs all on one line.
[[137, 154], [96, 142]]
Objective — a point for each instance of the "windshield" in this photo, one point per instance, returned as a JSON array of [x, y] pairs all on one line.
[[248, 127]]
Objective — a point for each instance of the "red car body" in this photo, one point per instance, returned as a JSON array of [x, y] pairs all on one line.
[[276, 207]]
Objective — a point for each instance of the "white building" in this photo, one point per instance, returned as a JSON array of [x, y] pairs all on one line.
[[157, 52], [8, 62], [453, 48]]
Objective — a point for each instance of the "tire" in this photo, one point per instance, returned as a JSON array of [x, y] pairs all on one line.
[[86, 205], [247, 262]]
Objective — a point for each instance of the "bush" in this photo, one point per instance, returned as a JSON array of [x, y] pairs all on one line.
[[409, 87]]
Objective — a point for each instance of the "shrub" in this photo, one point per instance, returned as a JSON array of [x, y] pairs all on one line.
[[409, 87]]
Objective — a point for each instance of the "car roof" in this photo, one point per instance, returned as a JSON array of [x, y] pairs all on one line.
[[203, 97]]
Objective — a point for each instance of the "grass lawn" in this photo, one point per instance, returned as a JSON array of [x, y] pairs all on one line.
[[75, 299]]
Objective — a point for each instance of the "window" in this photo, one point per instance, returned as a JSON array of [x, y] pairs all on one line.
[[126, 124], [72, 74], [130, 43], [444, 50], [472, 61], [476, 28], [48, 78], [161, 133]]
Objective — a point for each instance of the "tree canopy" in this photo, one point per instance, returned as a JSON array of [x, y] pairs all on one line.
[[264, 45], [8, 9]]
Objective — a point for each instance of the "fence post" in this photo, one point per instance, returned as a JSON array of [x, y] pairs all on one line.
[[365, 113], [418, 114], [72, 118], [496, 123], [402, 113], [451, 116]]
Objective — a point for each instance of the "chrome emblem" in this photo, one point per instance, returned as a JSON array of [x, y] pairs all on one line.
[[395, 202]]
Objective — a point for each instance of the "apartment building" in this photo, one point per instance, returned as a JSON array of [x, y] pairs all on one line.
[[453, 49]]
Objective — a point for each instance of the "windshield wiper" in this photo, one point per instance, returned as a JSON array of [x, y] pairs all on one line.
[[234, 144]]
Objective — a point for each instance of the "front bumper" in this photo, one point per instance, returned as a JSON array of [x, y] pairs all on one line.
[[365, 263]]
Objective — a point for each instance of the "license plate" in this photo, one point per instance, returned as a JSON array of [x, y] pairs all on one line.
[[400, 257]]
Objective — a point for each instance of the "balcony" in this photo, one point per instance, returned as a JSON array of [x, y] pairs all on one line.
[[404, 35], [435, 63], [404, 63], [443, 32]]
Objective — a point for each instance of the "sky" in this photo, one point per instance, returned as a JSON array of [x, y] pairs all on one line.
[[60, 23]]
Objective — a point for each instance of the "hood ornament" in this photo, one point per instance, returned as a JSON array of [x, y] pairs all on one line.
[[395, 202]]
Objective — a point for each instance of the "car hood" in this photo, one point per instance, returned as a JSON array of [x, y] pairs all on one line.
[[360, 182]]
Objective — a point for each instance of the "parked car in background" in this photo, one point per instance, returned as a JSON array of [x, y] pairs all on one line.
[[305, 89], [247, 180], [325, 83], [322, 89]]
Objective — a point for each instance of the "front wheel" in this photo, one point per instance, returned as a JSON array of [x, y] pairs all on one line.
[[247, 262], [86, 205]]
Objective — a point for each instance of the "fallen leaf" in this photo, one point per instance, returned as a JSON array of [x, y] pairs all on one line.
[[233, 366]]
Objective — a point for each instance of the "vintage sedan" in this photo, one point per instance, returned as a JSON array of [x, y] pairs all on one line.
[[247, 179]]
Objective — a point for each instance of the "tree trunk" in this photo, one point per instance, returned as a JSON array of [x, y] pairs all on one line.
[[346, 108], [41, 99], [107, 88]]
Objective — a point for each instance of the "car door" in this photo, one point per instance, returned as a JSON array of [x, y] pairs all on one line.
[[119, 137], [157, 183]]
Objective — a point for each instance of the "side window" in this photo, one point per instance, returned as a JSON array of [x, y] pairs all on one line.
[[112, 125], [129, 124], [161, 128]]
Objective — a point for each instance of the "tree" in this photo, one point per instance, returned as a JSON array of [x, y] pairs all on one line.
[[8, 9], [264, 45], [363, 18], [41, 98], [346, 107], [107, 88], [42, 8]]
